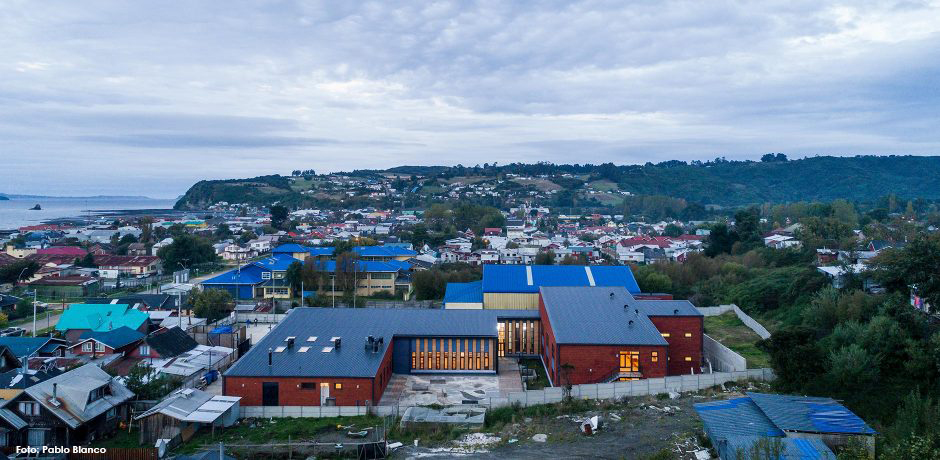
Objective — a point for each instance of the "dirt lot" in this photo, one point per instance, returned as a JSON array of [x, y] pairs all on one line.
[[645, 427]]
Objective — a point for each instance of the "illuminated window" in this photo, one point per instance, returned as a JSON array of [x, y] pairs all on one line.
[[339, 386], [655, 357], [665, 334], [486, 361], [688, 358], [688, 334], [414, 360]]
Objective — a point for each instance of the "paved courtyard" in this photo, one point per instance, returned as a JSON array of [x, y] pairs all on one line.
[[449, 389]]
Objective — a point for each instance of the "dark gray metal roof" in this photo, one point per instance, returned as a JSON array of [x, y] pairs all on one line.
[[598, 315], [668, 308], [353, 325]]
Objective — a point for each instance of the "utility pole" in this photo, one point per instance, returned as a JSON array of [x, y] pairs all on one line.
[[35, 301]]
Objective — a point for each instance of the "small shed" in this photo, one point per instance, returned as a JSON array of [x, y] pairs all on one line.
[[182, 413]]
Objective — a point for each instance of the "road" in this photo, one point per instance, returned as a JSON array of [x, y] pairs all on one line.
[[41, 324]]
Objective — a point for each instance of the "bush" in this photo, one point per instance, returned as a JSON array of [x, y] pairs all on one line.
[[4, 321]]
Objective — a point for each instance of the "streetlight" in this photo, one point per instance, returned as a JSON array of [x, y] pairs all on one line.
[[35, 300]]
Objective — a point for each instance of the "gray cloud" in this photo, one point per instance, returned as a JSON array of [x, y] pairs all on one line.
[[165, 94]]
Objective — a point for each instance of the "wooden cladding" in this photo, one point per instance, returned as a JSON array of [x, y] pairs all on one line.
[[518, 337], [453, 355]]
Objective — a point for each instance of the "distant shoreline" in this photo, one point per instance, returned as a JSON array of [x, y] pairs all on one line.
[[90, 197]]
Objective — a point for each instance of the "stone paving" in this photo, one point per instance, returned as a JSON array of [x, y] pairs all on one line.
[[450, 389]]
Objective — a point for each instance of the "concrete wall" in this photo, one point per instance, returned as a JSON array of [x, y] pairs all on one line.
[[747, 320], [722, 358], [464, 306], [534, 397]]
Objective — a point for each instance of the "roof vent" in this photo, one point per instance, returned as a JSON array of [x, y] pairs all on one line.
[[611, 295], [270, 356], [675, 312], [290, 342], [336, 341], [630, 323]]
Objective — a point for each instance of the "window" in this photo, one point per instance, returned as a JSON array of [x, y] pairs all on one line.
[[112, 412], [655, 357], [99, 346], [29, 408], [308, 385], [338, 386], [688, 334], [96, 394], [665, 334], [36, 438], [265, 275], [381, 276], [145, 350], [87, 346], [4, 442], [688, 358]]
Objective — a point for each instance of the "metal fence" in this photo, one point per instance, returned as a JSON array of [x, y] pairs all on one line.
[[615, 390]]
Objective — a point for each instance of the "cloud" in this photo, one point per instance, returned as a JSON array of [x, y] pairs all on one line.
[[165, 95]]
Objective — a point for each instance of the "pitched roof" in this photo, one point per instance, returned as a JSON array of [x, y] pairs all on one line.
[[289, 248], [249, 274], [14, 378], [115, 338], [192, 405], [100, 317], [172, 342], [528, 278], [24, 346], [73, 390], [149, 300], [74, 251], [354, 325], [809, 414], [277, 262], [598, 315], [471, 292], [383, 251]]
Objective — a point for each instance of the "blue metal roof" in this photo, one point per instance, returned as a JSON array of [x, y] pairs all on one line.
[[528, 278], [735, 417], [598, 315], [810, 414], [383, 251], [321, 251], [277, 262], [353, 325], [23, 346], [371, 266], [743, 447], [471, 292], [115, 338], [289, 248], [249, 274]]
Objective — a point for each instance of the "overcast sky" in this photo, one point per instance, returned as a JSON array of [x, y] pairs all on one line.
[[149, 97]]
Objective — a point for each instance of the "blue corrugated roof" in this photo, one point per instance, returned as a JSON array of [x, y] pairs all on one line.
[[249, 274], [383, 251], [289, 248], [115, 338], [353, 325], [515, 278], [742, 447], [471, 292], [371, 266], [321, 251], [22, 346], [596, 315], [811, 414], [277, 262], [735, 417]]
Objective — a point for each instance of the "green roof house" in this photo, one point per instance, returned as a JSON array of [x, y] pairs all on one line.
[[80, 318]]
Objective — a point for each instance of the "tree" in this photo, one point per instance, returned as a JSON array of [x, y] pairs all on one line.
[[211, 304], [672, 230], [147, 384], [916, 266], [88, 261], [20, 270], [223, 231], [720, 241], [795, 357], [23, 309], [295, 276], [185, 251], [4, 320], [545, 258], [279, 215], [656, 282]]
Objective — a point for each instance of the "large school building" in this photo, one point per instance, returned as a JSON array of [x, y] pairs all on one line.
[[582, 334]]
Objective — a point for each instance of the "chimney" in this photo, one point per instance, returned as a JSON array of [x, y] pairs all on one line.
[[290, 343], [270, 357], [337, 342], [55, 391]]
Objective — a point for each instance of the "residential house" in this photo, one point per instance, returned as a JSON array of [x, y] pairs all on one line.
[[96, 344], [81, 318], [23, 347], [122, 266], [74, 408], [184, 412]]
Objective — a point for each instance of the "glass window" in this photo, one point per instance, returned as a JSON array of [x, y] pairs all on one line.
[[655, 357], [688, 358], [29, 408], [338, 386], [112, 412], [87, 346], [145, 350], [665, 334], [688, 334], [99, 346], [308, 385]]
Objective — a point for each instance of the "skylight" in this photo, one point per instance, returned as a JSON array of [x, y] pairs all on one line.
[[279, 349], [312, 338], [303, 349], [327, 349]]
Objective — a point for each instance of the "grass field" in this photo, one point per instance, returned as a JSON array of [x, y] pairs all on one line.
[[543, 185], [541, 379], [603, 185], [732, 333]]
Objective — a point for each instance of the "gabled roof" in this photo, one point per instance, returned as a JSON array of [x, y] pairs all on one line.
[[14, 378], [528, 278], [192, 405], [471, 292], [383, 251], [149, 300], [100, 317], [24, 346], [289, 248], [598, 315], [372, 266], [73, 389], [172, 342], [248, 274], [277, 262], [115, 338], [809, 414]]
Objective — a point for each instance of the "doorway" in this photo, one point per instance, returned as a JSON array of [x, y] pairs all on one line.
[[269, 393], [324, 393], [629, 365]]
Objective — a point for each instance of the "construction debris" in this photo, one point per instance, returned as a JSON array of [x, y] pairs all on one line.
[[540, 437]]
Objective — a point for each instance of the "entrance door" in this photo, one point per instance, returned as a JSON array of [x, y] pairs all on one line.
[[269, 392], [324, 393], [629, 364]]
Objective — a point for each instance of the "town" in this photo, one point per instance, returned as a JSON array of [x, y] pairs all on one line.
[[170, 330]]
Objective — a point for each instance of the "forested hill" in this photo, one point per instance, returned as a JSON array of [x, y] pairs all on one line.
[[720, 182]]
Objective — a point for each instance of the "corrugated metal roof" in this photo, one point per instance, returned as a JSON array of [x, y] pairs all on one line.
[[100, 317], [745, 447], [115, 338], [383, 251], [73, 392], [516, 278], [277, 262], [811, 414], [471, 292], [735, 417], [289, 248], [354, 325], [22, 346], [597, 315], [249, 274], [668, 308]]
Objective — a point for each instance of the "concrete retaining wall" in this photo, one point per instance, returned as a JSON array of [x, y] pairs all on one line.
[[747, 320], [679, 383], [722, 358]]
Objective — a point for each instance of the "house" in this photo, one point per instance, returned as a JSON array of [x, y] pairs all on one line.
[[73, 408], [72, 251], [606, 334], [65, 287], [383, 253], [184, 412], [122, 266], [8, 359], [778, 241], [142, 302], [802, 426], [80, 318], [165, 344], [14, 381], [8, 302], [23, 347], [121, 341], [137, 249]]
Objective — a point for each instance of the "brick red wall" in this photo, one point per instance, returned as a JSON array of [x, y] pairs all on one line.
[[548, 345], [595, 362], [355, 391], [681, 346]]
